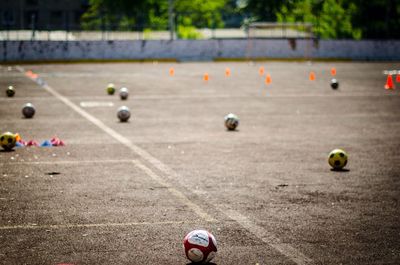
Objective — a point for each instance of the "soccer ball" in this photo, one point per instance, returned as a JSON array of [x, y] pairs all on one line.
[[337, 159], [28, 110], [123, 114], [334, 84], [10, 91], [231, 121], [200, 246], [8, 141], [110, 89], [123, 93]]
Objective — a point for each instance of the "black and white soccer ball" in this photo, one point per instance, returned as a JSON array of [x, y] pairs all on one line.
[[231, 121], [123, 93], [334, 84], [28, 110], [123, 114]]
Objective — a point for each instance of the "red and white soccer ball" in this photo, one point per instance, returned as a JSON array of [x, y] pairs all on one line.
[[200, 246]]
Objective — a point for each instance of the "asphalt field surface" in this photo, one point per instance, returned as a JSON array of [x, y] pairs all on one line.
[[128, 193]]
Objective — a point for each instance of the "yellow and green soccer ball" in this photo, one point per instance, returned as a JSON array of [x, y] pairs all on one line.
[[110, 89], [338, 159], [8, 141]]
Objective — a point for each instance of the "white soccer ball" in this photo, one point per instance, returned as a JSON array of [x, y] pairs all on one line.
[[123, 114], [123, 93]]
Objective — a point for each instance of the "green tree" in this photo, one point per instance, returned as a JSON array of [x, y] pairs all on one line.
[[153, 15], [201, 13], [331, 18], [262, 10], [125, 14], [378, 19]]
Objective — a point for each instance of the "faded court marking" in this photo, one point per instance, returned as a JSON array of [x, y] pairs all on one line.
[[94, 104], [62, 226], [298, 258]]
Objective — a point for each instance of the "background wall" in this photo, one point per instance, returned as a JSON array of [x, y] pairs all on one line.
[[199, 49]]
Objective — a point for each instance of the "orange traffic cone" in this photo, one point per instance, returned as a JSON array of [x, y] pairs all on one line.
[[268, 79], [333, 71], [312, 76], [206, 77], [171, 71], [398, 78], [227, 72], [261, 70], [389, 83]]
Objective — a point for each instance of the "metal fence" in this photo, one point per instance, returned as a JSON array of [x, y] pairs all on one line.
[[46, 22], [205, 33]]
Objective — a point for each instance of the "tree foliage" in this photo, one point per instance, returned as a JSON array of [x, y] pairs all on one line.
[[152, 13], [201, 13], [331, 18], [378, 19], [262, 10]]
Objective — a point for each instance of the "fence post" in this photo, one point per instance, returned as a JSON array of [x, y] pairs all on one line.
[[103, 24], [33, 24], [66, 25], [171, 18]]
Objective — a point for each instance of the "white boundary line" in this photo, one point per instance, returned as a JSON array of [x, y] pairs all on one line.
[[61, 226], [68, 162], [174, 191], [286, 249], [268, 238]]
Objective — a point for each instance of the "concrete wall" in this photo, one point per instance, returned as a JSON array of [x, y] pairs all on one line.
[[198, 50]]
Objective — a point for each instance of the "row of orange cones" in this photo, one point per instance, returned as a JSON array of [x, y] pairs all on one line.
[[261, 71], [389, 81]]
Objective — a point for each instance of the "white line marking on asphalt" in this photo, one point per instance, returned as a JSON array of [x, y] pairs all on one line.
[[290, 252], [61, 226], [66, 162], [175, 192], [142, 153], [94, 104], [284, 248]]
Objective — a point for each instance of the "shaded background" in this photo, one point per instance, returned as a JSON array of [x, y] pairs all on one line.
[[331, 19]]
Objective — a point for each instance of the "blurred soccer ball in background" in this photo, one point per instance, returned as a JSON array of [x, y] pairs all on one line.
[[231, 121], [123, 114], [10, 91], [337, 159], [110, 89], [8, 141], [28, 110], [334, 84], [123, 93]]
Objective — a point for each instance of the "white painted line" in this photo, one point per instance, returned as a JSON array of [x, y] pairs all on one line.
[[28, 99], [200, 212], [62, 226], [142, 153], [67, 162], [284, 248], [94, 104], [287, 250]]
